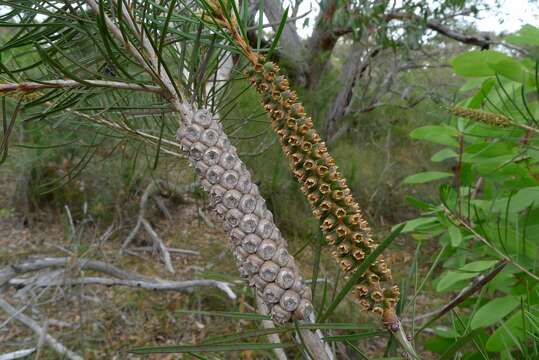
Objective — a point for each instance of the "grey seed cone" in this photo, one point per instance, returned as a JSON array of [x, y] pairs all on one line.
[[259, 248]]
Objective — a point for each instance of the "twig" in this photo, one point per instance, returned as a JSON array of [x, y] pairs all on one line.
[[17, 354], [159, 244], [156, 285], [52, 342], [170, 250], [476, 285], [29, 86]]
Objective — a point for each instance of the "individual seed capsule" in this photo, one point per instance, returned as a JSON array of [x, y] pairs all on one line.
[[257, 282], [216, 194], [378, 310], [304, 309], [244, 183], [205, 185], [228, 160], [377, 296], [365, 304], [307, 293], [248, 223], [266, 249], [342, 230], [373, 279], [268, 271], [290, 300], [324, 188], [209, 137], [203, 118], [229, 179], [362, 290], [281, 256], [344, 248], [233, 217], [197, 151], [285, 278], [214, 173], [231, 198], [250, 243], [236, 236], [280, 315], [193, 132], [247, 203], [252, 264], [264, 228], [211, 156], [358, 254], [272, 293], [346, 264]]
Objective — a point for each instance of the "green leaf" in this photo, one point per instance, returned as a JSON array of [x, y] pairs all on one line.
[[494, 311], [426, 176], [209, 348], [438, 134], [455, 236], [505, 336], [527, 35], [468, 271], [414, 224], [444, 154], [476, 63], [511, 69]]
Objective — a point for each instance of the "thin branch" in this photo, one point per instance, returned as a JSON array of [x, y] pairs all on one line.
[[30, 86], [477, 284], [29, 322], [160, 285], [268, 324]]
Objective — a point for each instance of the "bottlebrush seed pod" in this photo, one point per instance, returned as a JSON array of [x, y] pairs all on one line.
[[259, 249], [332, 202], [481, 116]]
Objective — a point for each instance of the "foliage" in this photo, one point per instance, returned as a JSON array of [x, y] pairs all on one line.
[[487, 214]]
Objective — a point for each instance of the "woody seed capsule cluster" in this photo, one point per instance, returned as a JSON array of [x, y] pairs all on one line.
[[326, 190], [480, 116], [260, 250]]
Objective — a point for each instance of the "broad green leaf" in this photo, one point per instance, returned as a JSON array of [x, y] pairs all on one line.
[[527, 35], [494, 311], [455, 236], [468, 271], [417, 223], [503, 337], [426, 176], [511, 69], [444, 154], [438, 134], [523, 199], [476, 63]]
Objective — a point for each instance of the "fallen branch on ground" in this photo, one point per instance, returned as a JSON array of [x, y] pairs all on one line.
[[29, 322]]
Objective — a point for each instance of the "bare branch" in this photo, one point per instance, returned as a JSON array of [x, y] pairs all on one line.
[[160, 285], [29, 322]]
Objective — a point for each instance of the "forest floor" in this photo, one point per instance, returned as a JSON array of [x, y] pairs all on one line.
[[104, 322]]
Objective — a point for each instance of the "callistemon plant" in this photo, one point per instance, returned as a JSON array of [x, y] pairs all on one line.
[[480, 116], [331, 199], [260, 250]]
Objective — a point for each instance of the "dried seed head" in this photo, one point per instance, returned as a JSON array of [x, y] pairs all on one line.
[[248, 223], [266, 249], [269, 270], [290, 300], [279, 314], [272, 293], [377, 296], [231, 198], [252, 264], [250, 243], [285, 278]]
